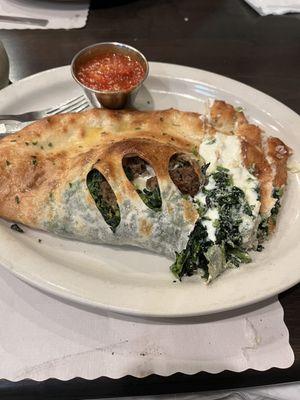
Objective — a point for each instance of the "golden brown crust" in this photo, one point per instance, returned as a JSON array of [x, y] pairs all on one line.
[[278, 153], [251, 134], [54, 151], [222, 117], [37, 161], [190, 213], [109, 162]]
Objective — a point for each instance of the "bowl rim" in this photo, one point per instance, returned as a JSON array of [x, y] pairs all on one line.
[[117, 44]]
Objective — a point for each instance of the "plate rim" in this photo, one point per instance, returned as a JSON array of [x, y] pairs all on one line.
[[63, 293]]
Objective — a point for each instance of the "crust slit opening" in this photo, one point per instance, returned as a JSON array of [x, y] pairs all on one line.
[[104, 198], [142, 176], [186, 174]]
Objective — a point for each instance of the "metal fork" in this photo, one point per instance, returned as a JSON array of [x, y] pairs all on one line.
[[74, 105]]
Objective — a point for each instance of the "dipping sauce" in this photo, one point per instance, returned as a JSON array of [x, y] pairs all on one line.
[[110, 72]]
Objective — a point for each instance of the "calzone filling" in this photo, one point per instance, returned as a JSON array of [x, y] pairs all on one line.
[[228, 207]]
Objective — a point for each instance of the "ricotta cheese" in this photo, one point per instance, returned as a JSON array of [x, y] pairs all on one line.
[[225, 151]]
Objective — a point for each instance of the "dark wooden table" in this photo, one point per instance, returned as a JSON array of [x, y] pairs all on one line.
[[223, 36]]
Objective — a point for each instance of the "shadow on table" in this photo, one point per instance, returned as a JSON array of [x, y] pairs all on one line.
[[96, 4]]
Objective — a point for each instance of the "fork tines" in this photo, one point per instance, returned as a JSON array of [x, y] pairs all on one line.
[[74, 105]]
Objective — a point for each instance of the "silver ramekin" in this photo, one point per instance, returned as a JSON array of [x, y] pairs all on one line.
[[109, 99]]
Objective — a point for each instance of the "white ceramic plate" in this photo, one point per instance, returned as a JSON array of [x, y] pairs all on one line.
[[133, 281]]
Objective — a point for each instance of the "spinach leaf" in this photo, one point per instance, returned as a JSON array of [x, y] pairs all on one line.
[[277, 194], [152, 199], [192, 257], [236, 256], [136, 166], [231, 203], [104, 198], [227, 251], [263, 228]]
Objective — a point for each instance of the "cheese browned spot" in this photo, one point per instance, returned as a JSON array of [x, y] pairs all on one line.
[[278, 153], [190, 212], [145, 227]]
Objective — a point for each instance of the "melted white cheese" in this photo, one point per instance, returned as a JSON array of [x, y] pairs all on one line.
[[212, 215], [225, 151], [141, 181]]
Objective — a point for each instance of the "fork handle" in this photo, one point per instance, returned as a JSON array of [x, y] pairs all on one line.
[[26, 117]]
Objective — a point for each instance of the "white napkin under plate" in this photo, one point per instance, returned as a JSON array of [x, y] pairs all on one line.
[[42, 337], [276, 7], [60, 14]]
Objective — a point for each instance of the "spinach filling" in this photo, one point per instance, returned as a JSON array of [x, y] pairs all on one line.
[[264, 226], [227, 251], [263, 229], [151, 198], [231, 204], [104, 198], [277, 194], [193, 257], [135, 167]]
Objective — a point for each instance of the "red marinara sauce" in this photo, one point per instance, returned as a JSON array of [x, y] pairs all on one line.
[[111, 72]]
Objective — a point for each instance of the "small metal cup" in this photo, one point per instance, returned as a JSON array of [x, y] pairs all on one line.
[[105, 98]]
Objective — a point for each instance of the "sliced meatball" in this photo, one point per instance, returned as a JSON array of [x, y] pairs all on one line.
[[108, 195], [152, 183], [185, 174], [134, 167]]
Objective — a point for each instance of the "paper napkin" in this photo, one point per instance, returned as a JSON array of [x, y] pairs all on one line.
[[42, 337], [61, 15], [276, 7]]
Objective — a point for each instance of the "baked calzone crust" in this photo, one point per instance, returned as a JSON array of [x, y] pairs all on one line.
[[202, 190]]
